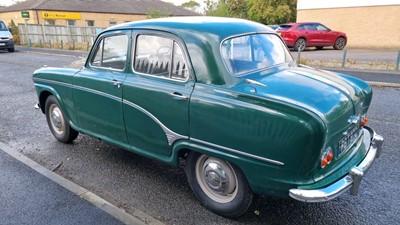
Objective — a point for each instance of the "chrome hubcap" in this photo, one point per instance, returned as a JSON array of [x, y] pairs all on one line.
[[56, 119], [216, 178]]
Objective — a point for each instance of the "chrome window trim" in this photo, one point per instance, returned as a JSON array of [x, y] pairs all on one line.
[[133, 58], [110, 68], [255, 70]]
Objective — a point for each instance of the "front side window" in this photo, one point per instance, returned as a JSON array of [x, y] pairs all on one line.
[[321, 27], [160, 56], [111, 52], [253, 52]]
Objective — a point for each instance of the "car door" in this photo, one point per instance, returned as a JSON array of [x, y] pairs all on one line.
[[312, 34], [326, 36], [98, 88], [157, 94]]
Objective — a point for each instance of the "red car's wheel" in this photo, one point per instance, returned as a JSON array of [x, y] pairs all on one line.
[[339, 43], [300, 44]]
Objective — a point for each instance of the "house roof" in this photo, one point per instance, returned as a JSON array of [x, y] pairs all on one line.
[[140, 7]]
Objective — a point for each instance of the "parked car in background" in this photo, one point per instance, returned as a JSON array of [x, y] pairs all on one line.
[[302, 35], [6, 38], [232, 103]]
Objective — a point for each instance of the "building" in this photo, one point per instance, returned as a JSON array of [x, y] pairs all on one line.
[[98, 13], [367, 23]]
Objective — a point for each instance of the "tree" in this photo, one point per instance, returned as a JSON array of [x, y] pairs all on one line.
[[155, 13], [238, 8], [217, 8], [272, 11], [191, 5], [15, 32]]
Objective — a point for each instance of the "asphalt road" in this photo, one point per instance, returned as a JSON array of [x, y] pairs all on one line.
[[146, 187]]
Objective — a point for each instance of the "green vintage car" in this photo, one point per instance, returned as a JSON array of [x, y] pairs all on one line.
[[226, 96]]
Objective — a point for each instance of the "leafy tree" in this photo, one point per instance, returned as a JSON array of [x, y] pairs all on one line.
[[217, 8], [272, 11], [15, 32], [155, 13], [238, 8], [191, 5]]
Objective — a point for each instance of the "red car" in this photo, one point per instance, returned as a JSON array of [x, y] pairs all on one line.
[[310, 34]]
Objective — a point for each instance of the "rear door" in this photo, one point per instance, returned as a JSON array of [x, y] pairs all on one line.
[[312, 34], [157, 93], [98, 88]]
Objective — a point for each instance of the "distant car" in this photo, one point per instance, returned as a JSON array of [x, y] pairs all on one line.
[[273, 26], [6, 38], [302, 35], [225, 96]]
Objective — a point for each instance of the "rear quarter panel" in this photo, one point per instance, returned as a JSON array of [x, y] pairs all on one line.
[[222, 120]]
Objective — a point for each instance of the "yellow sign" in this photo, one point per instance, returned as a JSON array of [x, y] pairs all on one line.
[[60, 15]]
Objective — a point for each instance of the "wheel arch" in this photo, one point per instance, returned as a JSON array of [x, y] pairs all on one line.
[[44, 92]]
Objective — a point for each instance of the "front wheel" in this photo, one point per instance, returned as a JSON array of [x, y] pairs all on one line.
[[339, 43], [11, 49], [220, 186], [57, 123]]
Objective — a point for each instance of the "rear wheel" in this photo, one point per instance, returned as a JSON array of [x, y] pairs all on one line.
[[300, 44], [339, 43], [57, 123], [218, 185]]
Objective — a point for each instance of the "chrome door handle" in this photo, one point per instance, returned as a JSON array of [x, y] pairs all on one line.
[[179, 96], [117, 83]]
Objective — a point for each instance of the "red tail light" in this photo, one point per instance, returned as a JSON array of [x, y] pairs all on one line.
[[327, 157]]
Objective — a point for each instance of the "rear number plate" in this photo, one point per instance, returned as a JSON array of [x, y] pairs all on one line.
[[348, 140]]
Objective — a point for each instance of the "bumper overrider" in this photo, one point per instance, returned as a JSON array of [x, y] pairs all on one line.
[[350, 181]]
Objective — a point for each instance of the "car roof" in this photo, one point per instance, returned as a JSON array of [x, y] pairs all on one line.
[[220, 26], [202, 36], [299, 23]]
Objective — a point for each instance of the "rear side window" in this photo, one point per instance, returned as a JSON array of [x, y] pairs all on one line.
[[111, 52], [160, 56]]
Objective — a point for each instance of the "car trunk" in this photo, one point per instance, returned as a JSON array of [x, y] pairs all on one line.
[[334, 98]]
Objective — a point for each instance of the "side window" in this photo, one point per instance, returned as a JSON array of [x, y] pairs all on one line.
[[160, 56], [301, 27], [321, 27], [111, 52]]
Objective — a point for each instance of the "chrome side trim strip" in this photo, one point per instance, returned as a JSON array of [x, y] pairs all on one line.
[[239, 152], [97, 92], [171, 136], [52, 82]]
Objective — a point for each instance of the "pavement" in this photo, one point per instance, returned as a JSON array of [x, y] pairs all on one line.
[[31, 194]]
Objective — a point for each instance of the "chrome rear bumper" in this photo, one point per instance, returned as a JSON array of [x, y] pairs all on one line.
[[350, 181]]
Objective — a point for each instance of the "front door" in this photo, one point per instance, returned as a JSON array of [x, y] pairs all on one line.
[[98, 89]]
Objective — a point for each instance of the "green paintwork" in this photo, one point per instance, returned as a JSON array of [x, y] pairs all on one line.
[[275, 133]]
